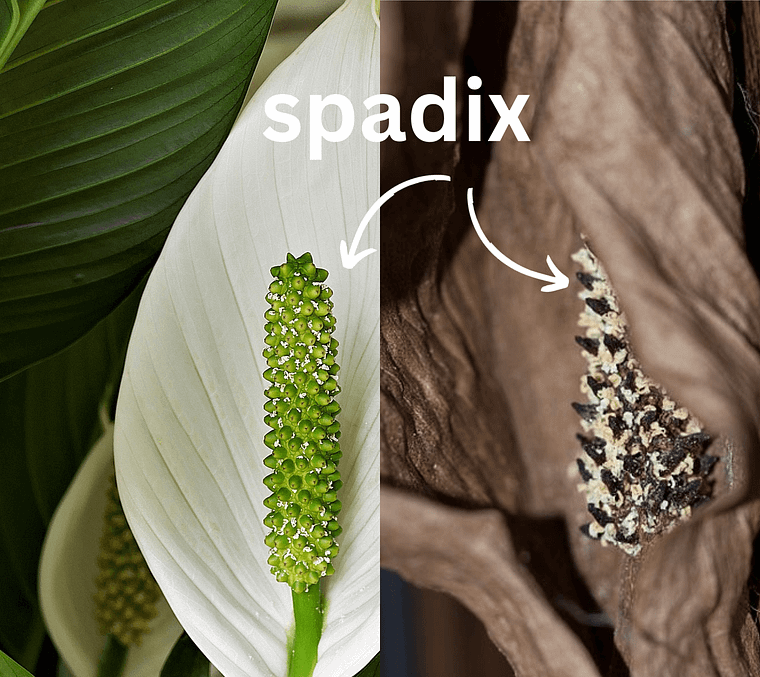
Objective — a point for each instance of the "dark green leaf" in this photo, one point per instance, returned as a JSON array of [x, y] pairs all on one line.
[[110, 112], [185, 660], [9, 668], [372, 669], [62, 398], [21, 527], [49, 421]]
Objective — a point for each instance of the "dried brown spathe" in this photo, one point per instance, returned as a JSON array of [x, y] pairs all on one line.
[[634, 143]]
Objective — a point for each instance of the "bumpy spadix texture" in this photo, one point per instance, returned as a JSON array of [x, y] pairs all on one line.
[[126, 598], [301, 411], [644, 465]]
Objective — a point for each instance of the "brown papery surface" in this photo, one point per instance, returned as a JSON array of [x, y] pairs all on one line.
[[635, 143]]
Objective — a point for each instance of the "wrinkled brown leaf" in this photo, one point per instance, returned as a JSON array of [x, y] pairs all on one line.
[[490, 579], [634, 144]]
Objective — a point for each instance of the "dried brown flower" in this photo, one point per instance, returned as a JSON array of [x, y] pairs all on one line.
[[635, 141]]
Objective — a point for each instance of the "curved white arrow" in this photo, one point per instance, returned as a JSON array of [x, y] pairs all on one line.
[[558, 279], [351, 258]]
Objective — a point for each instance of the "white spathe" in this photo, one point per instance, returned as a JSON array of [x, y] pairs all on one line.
[[189, 424], [68, 568]]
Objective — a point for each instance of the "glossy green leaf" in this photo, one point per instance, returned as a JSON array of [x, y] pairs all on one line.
[[185, 660], [49, 422], [110, 112], [9, 668]]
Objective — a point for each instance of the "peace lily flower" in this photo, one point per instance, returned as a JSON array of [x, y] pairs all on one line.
[[189, 424], [68, 569]]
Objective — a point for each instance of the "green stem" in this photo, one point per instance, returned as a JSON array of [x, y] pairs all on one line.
[[308, 608], [113, 658], [23, 20]]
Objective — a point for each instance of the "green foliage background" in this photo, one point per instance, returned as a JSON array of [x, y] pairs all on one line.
[[110, 112]]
